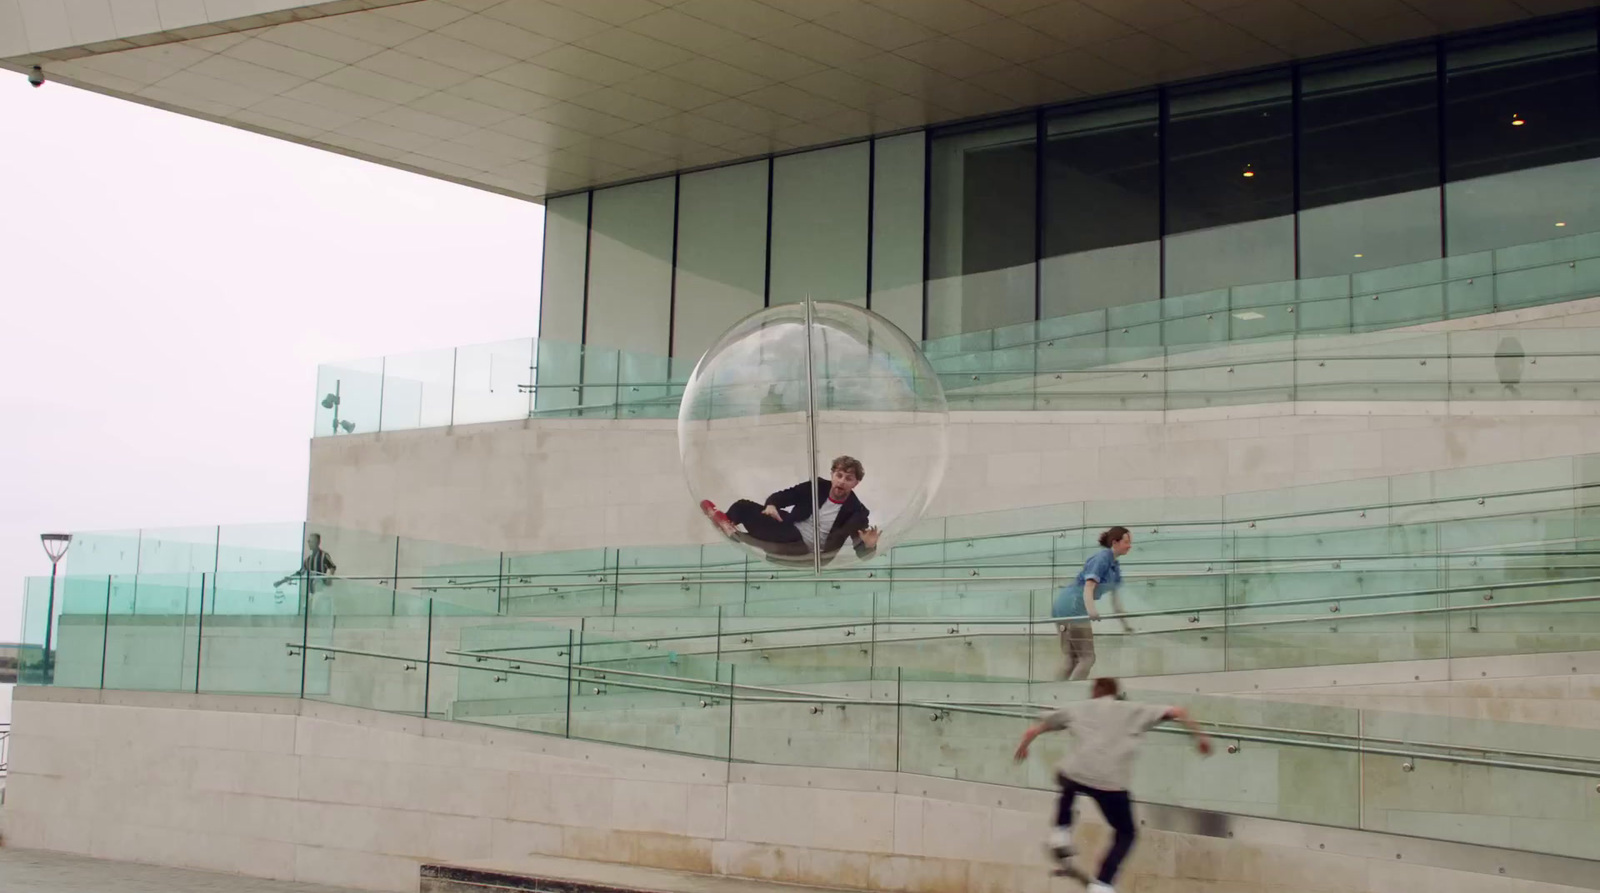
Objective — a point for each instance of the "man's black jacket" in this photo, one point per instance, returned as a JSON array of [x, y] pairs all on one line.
[[796, 507]]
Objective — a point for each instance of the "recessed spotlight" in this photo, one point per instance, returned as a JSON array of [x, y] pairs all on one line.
[[1517, 120]]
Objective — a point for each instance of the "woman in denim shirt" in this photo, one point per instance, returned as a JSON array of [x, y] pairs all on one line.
[[1074, 605]]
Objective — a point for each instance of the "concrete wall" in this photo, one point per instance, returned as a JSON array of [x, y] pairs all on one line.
[[552, 485], [296, 790]]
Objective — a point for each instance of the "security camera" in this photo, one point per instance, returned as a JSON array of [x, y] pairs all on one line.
[[36, 76]]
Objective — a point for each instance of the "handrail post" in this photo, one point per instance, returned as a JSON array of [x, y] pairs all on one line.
[[200, 630], [566, 727], [427, 666]]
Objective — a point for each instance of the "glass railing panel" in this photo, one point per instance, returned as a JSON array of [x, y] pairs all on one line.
[[1245, 771], [357, 554], [247, 636], [450, 572], [1500, 798], [500, 672], [102, 552], [1260, 373], [178, 550], [644, 385], [350, 398], [1346, 503], [79, 631], [266, 548], [560, 584], [1324, 638], [151, 637], [1547, 283], [1569, 248], [36, 664], [367, 646], [1085, 327], [1324, 306], [494, 382], [1201, 319], [1128, 379], [851, 724], [558, 375], [657, 702], [1556, 616], [418, 389]]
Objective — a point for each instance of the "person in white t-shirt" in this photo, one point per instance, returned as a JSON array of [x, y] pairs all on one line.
[[1106, 732], [790, 524]]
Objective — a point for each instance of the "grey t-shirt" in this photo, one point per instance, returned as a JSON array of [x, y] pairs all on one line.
[[1105, 735]]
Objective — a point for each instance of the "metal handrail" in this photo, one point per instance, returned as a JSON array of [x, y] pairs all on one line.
[[732, 689], [1031, 622]]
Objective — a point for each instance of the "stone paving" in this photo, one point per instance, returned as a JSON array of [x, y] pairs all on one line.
[[35, 871]]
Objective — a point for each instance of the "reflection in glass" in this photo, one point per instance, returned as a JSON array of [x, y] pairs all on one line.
[[722, 253], [819, 226], [1369, 164], [981, 228], [897, 199], [1230, 185], [566, 259], [1102, 214], [630, 290], [1523, 133]]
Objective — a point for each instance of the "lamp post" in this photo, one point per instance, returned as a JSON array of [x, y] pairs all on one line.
[[55, 546]]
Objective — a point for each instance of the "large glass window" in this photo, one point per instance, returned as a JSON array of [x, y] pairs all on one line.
[[722, 253], [630, 267], [566, 259], [1102, 208], [1369, 164], [1522, 136], [897, 183], [819, 226], [630, 292], [1230, 185], [981, 228]]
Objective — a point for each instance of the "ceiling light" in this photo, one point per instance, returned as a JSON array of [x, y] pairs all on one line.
[[1517, 120], [1248, 315], [1248, 172], [1359, 254], [1560, 224]]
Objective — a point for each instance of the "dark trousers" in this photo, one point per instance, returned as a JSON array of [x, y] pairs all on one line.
[[1118, 810], [763, 527]]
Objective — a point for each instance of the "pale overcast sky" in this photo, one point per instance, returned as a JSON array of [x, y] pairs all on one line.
[[167, 289]]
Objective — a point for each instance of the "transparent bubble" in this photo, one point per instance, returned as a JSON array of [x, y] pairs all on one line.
[[762, 415]]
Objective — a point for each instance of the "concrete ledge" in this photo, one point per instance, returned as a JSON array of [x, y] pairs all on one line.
[[551, 874]]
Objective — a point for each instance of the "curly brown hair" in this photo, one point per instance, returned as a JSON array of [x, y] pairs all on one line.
[[850, 464]]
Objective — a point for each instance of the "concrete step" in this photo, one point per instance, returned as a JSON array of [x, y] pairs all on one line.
[[553, 874]]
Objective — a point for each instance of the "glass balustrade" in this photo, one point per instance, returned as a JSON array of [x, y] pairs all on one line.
[[1327, 339], [1477, 781]]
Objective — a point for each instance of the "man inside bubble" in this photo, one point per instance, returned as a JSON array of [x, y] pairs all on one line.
[[788, 526]]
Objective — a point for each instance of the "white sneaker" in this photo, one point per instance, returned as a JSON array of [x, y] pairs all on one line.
[[1098, 887], [1061, 844]]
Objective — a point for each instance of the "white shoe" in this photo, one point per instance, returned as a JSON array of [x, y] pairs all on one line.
[[1061, 844], [1098, 887]]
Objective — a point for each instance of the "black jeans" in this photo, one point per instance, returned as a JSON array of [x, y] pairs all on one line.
[[1118, 810]]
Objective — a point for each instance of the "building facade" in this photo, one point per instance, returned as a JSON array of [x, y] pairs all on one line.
[[1385, 165]]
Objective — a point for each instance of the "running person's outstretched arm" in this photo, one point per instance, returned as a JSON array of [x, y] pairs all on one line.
[[1050, 722], [1202, 740]]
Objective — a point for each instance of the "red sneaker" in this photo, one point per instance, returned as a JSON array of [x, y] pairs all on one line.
[[718, 517]]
